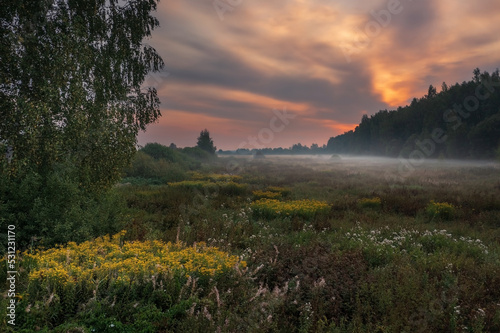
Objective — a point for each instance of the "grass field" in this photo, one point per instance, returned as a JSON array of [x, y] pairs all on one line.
[[282, 244]]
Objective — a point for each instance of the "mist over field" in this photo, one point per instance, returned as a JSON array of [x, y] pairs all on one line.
[[403, 166]]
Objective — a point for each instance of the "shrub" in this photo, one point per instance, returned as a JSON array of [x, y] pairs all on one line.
[[272, 192], [193, 184], [271, 208], [160, 170], [266, 194], [283, 190], [441, 210], [198, 153], [370, 203], [214, 177], [232, 188], [54, 209]]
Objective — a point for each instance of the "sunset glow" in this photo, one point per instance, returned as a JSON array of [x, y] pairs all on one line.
[[325, 61]]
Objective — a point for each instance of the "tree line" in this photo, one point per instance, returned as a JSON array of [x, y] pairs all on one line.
[[465, 117], [297, 148]]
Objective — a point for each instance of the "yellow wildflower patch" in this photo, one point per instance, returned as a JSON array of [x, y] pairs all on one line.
[[373, 203], [272, 192], [441, 210], [109, 259], [214, 177], [304, 208], [266, 194], [283, 190]]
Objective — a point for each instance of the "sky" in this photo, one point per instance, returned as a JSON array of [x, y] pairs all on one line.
[[259, 73]]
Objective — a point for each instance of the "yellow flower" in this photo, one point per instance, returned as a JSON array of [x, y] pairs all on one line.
[[305, 208], [105, 260]]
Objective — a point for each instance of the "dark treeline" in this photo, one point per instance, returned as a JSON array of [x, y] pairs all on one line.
[[297, 148], [461, 121]]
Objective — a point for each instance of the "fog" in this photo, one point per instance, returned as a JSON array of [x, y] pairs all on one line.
[[392, 171], [363, 161]]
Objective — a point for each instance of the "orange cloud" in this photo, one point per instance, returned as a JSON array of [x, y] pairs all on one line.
[[228, 75], [336, 127], [183, 93]]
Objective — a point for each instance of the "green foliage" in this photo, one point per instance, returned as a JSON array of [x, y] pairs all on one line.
[[205, 142], [266, 194], [441, 210], [159, 164], [285, 192], [71, 105], [55, 107], [485, 137], [55, 209], [233, 189], [371, 203], [158, 151], [195, 184], [198, 153], [271, 208], [214, 177], [145, 166]]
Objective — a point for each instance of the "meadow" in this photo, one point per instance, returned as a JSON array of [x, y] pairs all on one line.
[[282, 244]]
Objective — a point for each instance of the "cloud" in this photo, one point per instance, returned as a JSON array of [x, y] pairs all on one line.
[[230, 74]]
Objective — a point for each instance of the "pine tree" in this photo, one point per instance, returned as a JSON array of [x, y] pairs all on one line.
[[205, 142]]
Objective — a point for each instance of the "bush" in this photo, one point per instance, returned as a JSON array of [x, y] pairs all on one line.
[[265, 195], [54, 209], [159, 170], [198, 153], [158, 151], [370, 203], [232, 188], [194, 184], [440, 210], [214, 177], [285, 192], [271, 208]]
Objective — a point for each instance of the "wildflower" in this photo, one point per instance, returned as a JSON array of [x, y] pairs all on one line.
[[107, 261], [303, 208]]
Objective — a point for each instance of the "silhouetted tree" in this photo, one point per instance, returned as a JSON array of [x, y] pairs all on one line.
[[432, 92], [205, 142], [477, 75]]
